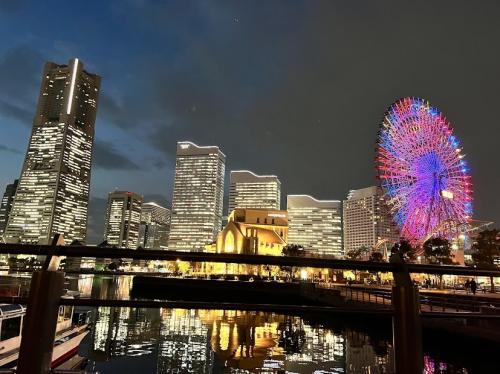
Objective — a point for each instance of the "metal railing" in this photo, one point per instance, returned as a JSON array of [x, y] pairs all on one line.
[[166, 255], [428, 302]]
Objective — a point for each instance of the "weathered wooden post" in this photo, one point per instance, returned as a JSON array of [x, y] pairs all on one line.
[[406, 324], [40, 322]]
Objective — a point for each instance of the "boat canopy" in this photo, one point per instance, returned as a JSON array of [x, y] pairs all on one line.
[[7, 310]]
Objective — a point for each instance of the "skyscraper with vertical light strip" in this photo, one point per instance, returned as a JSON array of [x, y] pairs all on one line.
[[249, 190], [53, 191], [197, 199]]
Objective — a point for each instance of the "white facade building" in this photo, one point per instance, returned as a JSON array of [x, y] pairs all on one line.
[[123, 218], [315, 224], [53, 192], [367, 220], [249, 190], [198, 196], [155, 226]]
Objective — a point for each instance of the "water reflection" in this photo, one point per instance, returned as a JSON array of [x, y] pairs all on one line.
[[184, 343], [132, 340], [213, 341]]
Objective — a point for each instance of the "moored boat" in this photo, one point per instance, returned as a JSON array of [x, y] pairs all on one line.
[[71, 329]]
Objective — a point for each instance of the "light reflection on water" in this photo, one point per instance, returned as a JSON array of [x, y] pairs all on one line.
[[215, 341], [136, 340], [132, 340]]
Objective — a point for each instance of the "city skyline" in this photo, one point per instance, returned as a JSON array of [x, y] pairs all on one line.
[[249, 186], [141, 118]]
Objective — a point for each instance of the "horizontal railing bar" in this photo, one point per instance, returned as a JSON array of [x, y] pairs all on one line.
[[166, 255], [204, 305], [285, 309]]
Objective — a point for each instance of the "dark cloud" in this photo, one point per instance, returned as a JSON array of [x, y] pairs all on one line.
[[296, 90], [160, 164], [97, 217], [20, 70], [15, 112], [300, 90], [12, 6], [4, 148], [108, 158]]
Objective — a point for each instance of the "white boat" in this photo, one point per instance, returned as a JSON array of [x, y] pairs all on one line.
[[70, 331]]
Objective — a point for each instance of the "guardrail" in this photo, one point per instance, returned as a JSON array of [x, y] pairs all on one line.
[[433, 302], [167, 255]]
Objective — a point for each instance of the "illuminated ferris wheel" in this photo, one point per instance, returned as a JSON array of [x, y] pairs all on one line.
[[423, 172]]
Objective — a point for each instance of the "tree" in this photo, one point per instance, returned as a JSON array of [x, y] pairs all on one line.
[[357, 254], [405, 249], [376, 256], [438, 251], [292, 250], [487, 249]]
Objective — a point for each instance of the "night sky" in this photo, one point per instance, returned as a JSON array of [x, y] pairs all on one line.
[[292, 88]]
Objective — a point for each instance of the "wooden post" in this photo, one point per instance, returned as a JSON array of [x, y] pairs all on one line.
[[40, 322], [407, 330], [406, 324]]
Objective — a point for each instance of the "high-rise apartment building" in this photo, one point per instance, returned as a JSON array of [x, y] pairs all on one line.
[[367, 220], [315, 224], [123, 219], [6, 205], [155, 226], [53, 192], [197, 197], [249, 190]]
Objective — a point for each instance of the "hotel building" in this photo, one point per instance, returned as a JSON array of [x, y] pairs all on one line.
[[367, 220], [53, 192], [123, 219], [315, 224], [197, 197], [249, 190], [155, 226]]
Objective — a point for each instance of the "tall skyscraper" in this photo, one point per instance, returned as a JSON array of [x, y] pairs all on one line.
[[249, 190], [6, 205], [53, 192], [155, 226], [197, 198], [123, 218], [367, 220], [315, 224]]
